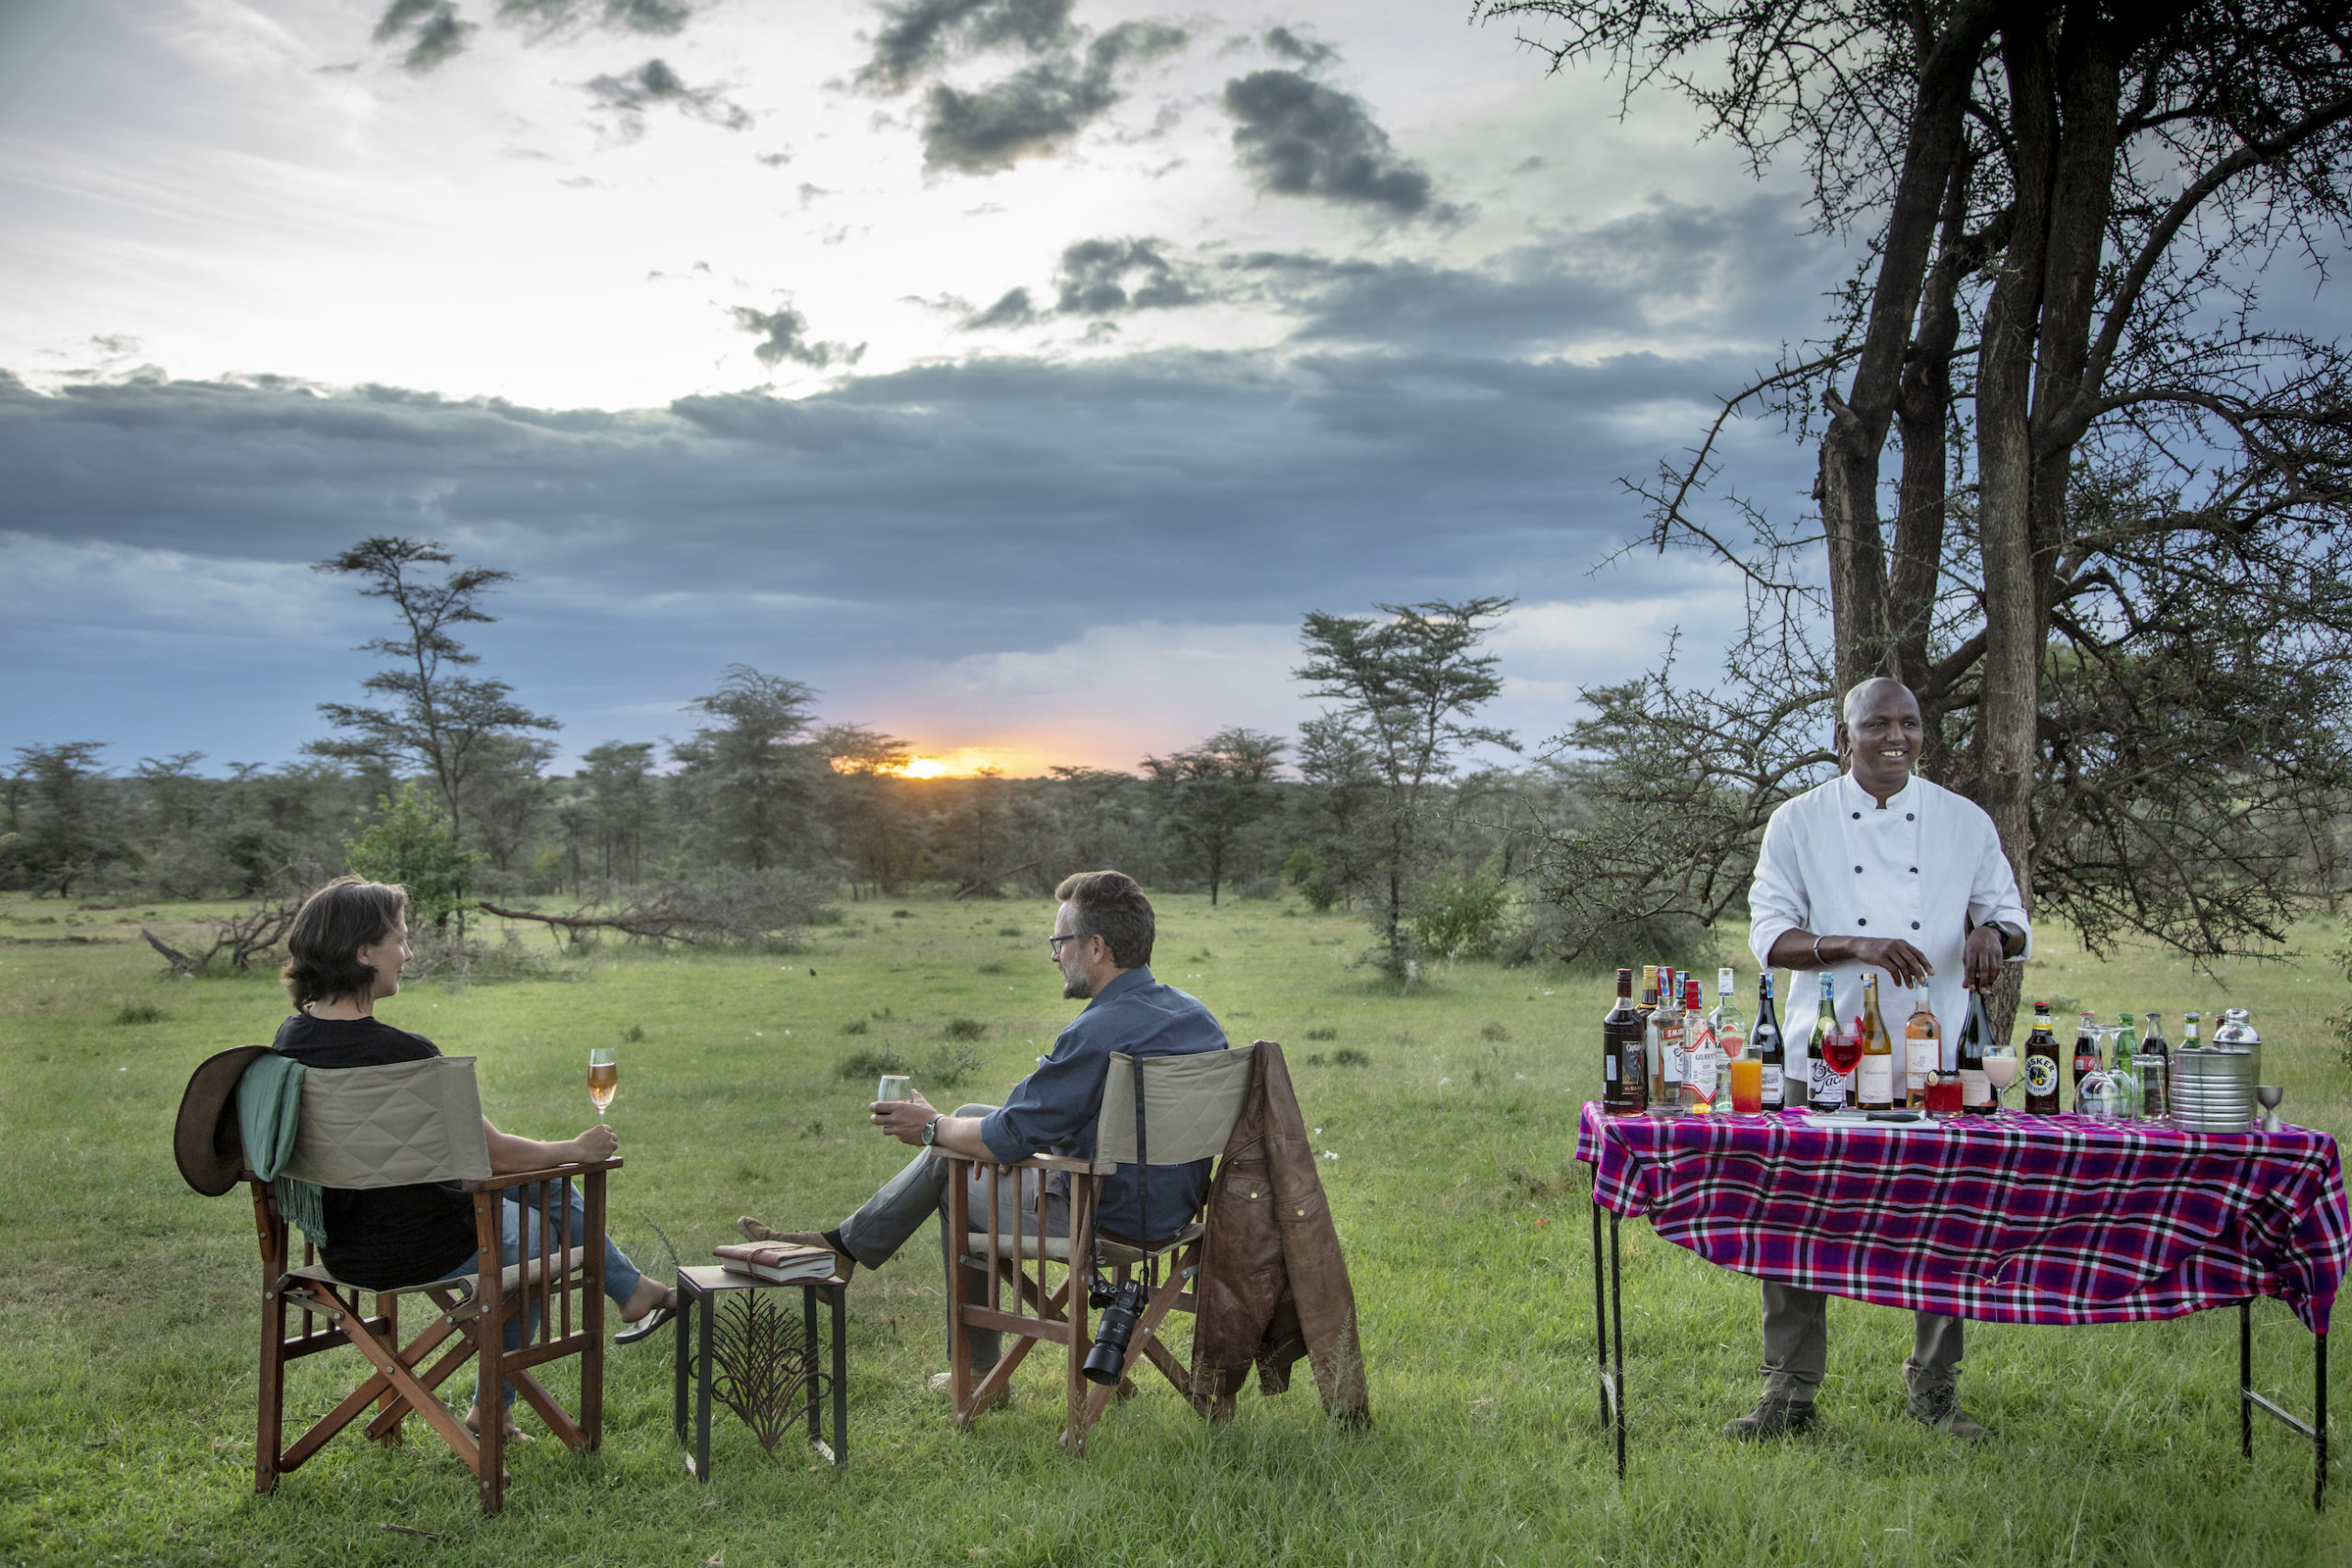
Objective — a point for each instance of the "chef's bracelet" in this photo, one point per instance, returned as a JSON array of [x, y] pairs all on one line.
[[1817, 953]]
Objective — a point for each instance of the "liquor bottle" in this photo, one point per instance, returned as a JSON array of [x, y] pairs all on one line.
[[2086, 1052], [1923, 1051], [2155, 1071], [2125, 1069], [1943, 1093], [1828, 1087], [1655, 1090], [1976, 1089], [1730, 1023], [1874, 1081], [1664, 1042], [1703, 1086], [2042, 1064], [1770, 1049], [1624, 1081]]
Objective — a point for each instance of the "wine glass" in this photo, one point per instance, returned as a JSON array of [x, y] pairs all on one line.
[[1843, 1051], [2000, 1070], [603, 1077]]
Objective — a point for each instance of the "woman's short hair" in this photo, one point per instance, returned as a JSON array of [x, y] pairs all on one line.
[[1109, 905], [332, 925]]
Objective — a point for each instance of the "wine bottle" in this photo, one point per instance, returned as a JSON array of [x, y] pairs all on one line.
[[1874, 1082], [1624, 1081], [1923, 1048], [1765, 1040], [1828, 1090], [2042, 1068], [1976, 1089]]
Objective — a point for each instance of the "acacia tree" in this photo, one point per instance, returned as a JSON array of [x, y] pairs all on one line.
[[453, 726], [1211, 793], [752, 777], [2112, 558], [1406, 684], [867, 817]]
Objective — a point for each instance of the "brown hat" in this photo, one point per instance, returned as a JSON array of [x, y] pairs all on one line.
[[206, 1141]]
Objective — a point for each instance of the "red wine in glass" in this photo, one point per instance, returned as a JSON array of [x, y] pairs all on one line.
[[1843, 1051]]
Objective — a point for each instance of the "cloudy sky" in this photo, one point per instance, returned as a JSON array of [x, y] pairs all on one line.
[[1016, 372]]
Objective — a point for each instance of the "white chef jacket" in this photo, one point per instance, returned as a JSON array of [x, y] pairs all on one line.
[[1922, 869]]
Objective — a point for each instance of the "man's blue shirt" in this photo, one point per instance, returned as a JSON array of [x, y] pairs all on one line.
[[1052, 1109]]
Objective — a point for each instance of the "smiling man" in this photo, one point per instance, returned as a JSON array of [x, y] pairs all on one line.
[[1101, 940], [1877, 870]]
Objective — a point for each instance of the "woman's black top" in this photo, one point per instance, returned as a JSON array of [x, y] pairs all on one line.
[[382, 1235]]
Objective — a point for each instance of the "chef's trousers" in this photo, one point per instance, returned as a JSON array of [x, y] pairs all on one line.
[[1796, 1346]]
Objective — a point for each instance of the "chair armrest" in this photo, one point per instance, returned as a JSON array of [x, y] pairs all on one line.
[[1034, 1162], [552, 1173]]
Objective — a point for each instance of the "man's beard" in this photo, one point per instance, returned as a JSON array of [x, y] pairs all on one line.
[[1077, 987]]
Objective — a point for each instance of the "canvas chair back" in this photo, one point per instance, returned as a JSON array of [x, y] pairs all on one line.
[[1190, 1105], [393, 1126]]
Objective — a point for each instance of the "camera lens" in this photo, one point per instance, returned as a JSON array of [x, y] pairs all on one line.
[[1106, 1362]]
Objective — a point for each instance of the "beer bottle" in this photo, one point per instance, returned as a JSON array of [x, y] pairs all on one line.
[[1874, 1083], [1765, 1040], [1624, 1082], [2042, 1064]]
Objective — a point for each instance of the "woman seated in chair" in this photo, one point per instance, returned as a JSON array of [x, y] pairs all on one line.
[[347, 947]]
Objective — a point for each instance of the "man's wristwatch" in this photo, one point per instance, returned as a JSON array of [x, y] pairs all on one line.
[[930, 1131]]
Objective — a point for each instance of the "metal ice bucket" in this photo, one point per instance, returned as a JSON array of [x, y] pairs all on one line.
[[2213, 1090]]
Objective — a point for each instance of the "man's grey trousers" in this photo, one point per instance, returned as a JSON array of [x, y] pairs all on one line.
[[890, 1218], [1796, 1346]]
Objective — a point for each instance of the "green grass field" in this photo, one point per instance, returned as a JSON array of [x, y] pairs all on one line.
[[128, 1304]]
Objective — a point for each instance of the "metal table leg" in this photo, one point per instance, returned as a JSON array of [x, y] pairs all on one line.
[[683, 1356], [2249, 1402], [1600, 1327], [1617, 1327], [702, 1389], [838, 1297]]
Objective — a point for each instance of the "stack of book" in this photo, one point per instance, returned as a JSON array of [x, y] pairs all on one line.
[[777, 1262]]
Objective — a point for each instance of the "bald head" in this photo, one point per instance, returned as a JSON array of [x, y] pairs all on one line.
[[1879, 735]]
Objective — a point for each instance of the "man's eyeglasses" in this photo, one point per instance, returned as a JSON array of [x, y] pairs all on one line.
[[1055, 943]]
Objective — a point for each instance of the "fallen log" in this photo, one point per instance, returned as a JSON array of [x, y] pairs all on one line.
[[991, 879], [658, 930]]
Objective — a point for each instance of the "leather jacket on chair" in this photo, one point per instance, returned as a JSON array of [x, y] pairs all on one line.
[[1272, 1283]]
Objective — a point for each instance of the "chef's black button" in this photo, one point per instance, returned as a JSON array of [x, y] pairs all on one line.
[[1915, 925], [1861, 922], [1858, 871], [1858, 815], [1915, 871], [1907, 817]]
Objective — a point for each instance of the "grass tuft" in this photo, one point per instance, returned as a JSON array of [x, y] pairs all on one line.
[[140, 1012], [963, 1029], [870, 1064]]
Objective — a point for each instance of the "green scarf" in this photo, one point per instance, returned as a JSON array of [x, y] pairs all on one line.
[[269, 1110]]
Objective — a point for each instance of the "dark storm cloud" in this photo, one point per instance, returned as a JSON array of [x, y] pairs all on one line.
[[1284, 44], [786, 331], [628, 96], [1037, 107], [434, 30], [1298, 137], [924, 33]]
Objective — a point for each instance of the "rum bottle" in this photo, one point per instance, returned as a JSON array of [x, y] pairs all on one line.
[[1624, 1081], [1771, 1050], [2042, 1068], [1874, 1082], [1923, 1048]]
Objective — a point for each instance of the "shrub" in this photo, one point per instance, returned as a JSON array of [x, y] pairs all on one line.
[[870, 1064], [1461, 916], [963, 1029], [950, 1066], [138, 1013]]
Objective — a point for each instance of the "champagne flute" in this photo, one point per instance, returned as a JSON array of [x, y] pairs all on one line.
[[603, 1077]]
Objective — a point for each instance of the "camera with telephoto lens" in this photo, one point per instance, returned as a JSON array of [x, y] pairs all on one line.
[[1120, 1306]]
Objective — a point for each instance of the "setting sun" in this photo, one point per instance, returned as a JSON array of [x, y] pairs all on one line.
[[961, 763]]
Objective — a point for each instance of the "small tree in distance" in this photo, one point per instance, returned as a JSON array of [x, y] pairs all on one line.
[[412, 844], [1215, 791], [1407, 686]]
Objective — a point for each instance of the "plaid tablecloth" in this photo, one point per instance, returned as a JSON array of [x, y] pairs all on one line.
[[2014, 1219]]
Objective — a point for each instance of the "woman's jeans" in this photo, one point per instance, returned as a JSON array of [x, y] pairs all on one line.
[[518, 1234]]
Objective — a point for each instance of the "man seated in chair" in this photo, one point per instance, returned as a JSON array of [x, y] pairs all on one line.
[[347, 947], [1102, 941]]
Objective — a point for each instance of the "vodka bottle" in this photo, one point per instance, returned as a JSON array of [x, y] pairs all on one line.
[[1703, 1088], [1664, 1042]]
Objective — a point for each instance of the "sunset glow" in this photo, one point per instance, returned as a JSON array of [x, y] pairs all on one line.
[[959, 764]]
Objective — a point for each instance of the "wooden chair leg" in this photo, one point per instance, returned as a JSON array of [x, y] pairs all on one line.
[[386, 1428], [270, 1423], [959, 1351]]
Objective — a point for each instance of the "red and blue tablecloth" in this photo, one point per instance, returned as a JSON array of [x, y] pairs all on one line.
[[2008, 1219]]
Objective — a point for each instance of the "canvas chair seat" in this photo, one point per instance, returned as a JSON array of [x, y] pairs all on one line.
[[1191, 1104], [510, 1278], [1117, 1254]]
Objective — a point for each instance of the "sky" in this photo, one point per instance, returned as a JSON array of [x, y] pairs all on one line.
[[1017, 373]]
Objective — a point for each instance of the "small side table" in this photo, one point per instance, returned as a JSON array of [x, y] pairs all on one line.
[[753, 1359]]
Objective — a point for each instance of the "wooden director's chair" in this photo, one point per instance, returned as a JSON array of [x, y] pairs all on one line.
[[1190, 1103], [342, 1141]]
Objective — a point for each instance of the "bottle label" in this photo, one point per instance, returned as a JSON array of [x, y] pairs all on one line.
[[1926, 1056], [1608, 1070], [1772, 1089], [1976, 1089], [1678, 1061], [1829, 1085], [2041, 1074], [1731, 1043], [1876, 1084]]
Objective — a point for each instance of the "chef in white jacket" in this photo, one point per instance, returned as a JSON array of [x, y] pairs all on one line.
[[1876, 870]]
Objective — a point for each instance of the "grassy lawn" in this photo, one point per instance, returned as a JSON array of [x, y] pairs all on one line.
[[128, 1309]]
